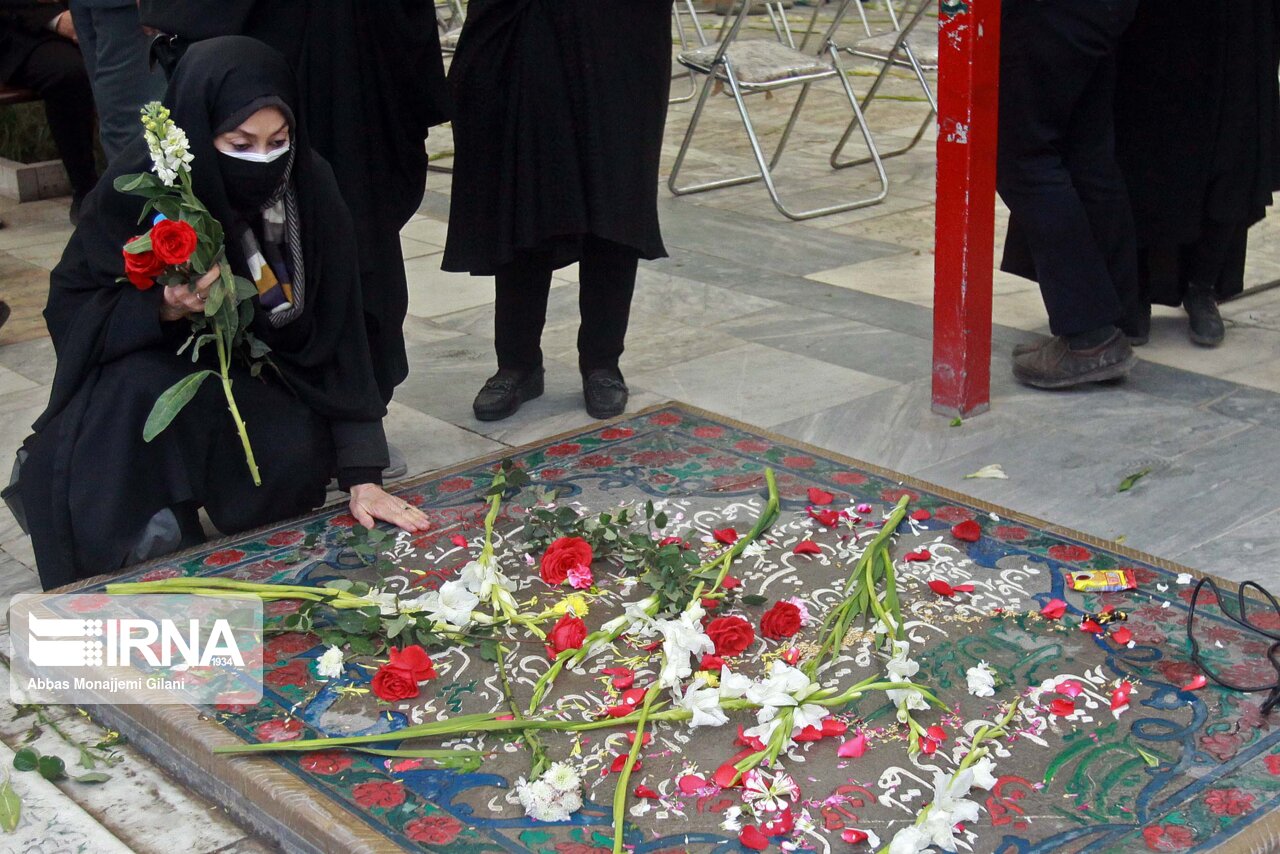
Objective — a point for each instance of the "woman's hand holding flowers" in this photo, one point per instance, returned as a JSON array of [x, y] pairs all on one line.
[[181, 300]]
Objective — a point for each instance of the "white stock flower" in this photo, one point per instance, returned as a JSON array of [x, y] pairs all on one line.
[[329, 664], [704, 703], [167, 144], [982, 680], [682, 638]]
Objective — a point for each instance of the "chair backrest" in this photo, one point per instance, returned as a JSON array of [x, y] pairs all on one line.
[[777, 16]]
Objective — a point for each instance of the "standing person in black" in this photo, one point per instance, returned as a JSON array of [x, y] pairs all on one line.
[[1070, 227], [1198, 137], [38, 51], [560, 107], [371, 79]]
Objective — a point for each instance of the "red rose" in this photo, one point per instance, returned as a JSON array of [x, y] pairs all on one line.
[[731, 635], [433, 829], [141, 268], [173, 241], [398, 679], [414, 660], [563, 555], [378, 793], [780, 621], [325, 762], [568, 633]]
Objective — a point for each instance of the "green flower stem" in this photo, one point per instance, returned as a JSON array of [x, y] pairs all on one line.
[[224, 368], [624, 778], [441, 755], [531, 739]]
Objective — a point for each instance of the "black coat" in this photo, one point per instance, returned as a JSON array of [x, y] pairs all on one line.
[[24, 26], [371, 78], [560, 107]]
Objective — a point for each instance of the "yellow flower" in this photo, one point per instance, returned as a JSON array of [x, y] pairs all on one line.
[[575, 604], [710, 679]]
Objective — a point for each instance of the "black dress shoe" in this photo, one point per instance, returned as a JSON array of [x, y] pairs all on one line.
[[1206, 327], [1137, 328], [505, 391], [605, 392]]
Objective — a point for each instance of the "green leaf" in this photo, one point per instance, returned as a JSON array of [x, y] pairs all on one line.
[[339, 584], [957, 421], [93, 777], [489, 650], [392, 628], [362, 645], [351, 622], [10, 806], [170, 403], [138, 181], [142, 244], [1129, 482], [660, 521], [1153, 761], [52, 768], [753, 599], [26, 759]]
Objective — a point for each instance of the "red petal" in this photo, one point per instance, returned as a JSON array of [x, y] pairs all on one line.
[[752, 838], [963, 588], [459, 541], [710, 604], [620, 762], [1054, 610], [711, 662], [1062, 707], [1091, 626], [921, 515], [643, 791], [928, 746], [648, 737], [918, 556], [939, 586], [820, 497], [1196, 683], [730, 583], [727, 776], [809, 733], [1069, 688], [728, 536], [807, 547], [854, 836], [1122, 635], [624, 681], [825, 518], [634, 696], [691, 783], [832, 728], [937, 733], [791, 656], [1120, 696], [784, 824], [969, 531], [619, 711]]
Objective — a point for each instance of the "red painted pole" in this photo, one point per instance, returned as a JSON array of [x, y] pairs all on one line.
[[968, 88]]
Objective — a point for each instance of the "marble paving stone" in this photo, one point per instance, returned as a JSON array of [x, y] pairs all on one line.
[[1245, 347], [652, 342], [11, 381], [1247, 457], [419, 330], [426, 229], [1250, 551], [428, 443], [742, 383], [433, 292], [31, 359], [560, 410], [410, 248], [1177, 385], [50, 822], [43, 255], [44, 234], [1254, 405]]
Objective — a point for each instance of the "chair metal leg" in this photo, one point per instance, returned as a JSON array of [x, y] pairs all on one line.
[[672, 179]]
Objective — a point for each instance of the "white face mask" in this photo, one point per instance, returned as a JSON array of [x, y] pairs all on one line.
[[255, 157]]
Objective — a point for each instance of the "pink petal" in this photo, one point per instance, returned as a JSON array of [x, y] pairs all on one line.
[[854, 747], [1196, 683], [1069, 688]]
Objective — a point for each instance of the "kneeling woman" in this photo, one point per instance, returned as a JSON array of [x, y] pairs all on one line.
[[96, 496]]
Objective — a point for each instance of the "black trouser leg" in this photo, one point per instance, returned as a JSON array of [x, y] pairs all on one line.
[[520, 311], [607, 280], [1208, 258], [1056, 163], [55, 69]]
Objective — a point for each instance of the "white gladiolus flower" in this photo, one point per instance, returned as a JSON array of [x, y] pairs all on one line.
[[982, 680], [704, 703], [909, 840], [733, 685], [329, 664], [388, 603], [949, 808], [453, 604], [982, 776], [483, 578], [907, 698], [785, 686], [682, 638]]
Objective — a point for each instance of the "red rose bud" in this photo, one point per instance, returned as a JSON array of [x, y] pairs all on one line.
[[807, 547], [918, 556], [1062, 707], [853, 836], [728, 536], [967, 531], [942, 588], [568, 633], [643, 791], [561, 556], [1054, 610], [731, 635], [1196, 683], [1122, 635], [825, 518], [791, 656], [459, 541], [781, 621], [730, 583], [751, 837], [820, 497], [921, 515], [173, 241], [711, 662]]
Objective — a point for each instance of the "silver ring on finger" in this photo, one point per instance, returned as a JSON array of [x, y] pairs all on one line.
[[201, 297]]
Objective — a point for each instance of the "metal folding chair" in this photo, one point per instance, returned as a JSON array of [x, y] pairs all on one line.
[[900, 47], [682, 33], [765, 65]]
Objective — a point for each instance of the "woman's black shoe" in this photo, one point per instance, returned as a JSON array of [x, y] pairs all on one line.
[[505, 391], [605, 392], [1206, 327]]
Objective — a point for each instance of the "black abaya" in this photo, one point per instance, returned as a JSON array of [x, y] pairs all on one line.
[[91, 484], [371, 77], [560, 107], [1198, 137]]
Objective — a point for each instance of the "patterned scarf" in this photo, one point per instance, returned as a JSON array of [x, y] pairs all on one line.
[[275, 262]]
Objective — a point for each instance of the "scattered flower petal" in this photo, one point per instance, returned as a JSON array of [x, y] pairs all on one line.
[[918, 556], [459, 541], [854, 747], [691, 784], [939, 586], [728, 536], [807, 547], [921, 515], [1122, 635], [1091, 626], [825, 518], [1062, 707], [1054, 609], [643, 791], [1070, 688], [751, 837], [820, 497], [968, 531], [993, 471], [1196, 683]]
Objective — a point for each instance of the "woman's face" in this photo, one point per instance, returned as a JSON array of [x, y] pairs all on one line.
[[262, 133]]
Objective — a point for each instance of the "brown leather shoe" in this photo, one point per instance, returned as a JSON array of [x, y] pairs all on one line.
[[1029, 347], [1055, 365]]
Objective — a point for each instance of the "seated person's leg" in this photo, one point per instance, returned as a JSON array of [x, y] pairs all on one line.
[[56, 70]]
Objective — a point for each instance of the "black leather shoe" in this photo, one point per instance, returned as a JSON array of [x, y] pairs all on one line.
[[605, 392], [1056, 365], [505, 391], [1137, 328], [1206, 327]]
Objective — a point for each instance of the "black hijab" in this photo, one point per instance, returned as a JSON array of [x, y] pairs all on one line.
[[323, 355]]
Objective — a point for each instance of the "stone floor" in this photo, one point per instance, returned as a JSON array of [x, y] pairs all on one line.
[[818, 330]]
